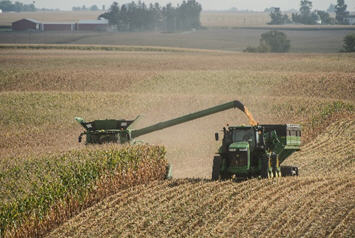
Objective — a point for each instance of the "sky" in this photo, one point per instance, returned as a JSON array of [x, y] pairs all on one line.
[[257, 5]]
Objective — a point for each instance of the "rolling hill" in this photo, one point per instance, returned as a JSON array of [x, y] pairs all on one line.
[[319, 203]]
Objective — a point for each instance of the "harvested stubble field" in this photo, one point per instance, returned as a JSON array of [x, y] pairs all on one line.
[[305, 207], [42, 91]]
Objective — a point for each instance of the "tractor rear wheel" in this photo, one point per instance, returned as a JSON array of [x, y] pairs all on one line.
[[216, 169]]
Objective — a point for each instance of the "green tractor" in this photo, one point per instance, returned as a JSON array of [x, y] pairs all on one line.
[[256, 151], [246, 151]]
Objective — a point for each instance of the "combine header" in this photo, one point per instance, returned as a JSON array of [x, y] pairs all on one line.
[[246, 151]]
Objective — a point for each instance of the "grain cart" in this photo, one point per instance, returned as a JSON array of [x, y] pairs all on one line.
[[245, 151]]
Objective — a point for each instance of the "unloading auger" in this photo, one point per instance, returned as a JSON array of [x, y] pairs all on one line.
[[120, 131]]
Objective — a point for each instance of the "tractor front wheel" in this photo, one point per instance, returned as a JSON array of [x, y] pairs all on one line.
[[289, 171], [216, 168]]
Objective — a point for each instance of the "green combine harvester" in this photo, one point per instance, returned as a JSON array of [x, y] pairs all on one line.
[[246, 151]]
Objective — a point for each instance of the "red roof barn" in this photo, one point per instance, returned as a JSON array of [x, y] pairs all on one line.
[[92, 25], [82, 25], [26, 24], [57, 26]]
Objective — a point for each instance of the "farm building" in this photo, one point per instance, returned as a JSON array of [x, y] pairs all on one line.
[[351, 19], [82, 25], [92, 25], [57, 26], [26, 24]]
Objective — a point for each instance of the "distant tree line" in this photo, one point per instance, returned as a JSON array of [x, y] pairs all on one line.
[[8, 6], [309, 17], [277, 18], [92, 8], [140, 17]]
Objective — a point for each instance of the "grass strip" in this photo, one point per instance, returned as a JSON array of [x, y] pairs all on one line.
[[47, 191], [93, 47]]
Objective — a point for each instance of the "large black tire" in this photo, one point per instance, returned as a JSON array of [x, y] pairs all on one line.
[[289, 171], [216, 168], [264, 167]]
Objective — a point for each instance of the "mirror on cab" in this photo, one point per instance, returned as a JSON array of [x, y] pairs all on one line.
[[216, 136]]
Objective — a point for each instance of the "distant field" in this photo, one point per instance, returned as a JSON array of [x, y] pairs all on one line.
[[234, 19], [208, 18], [314, 41], [231, 31]]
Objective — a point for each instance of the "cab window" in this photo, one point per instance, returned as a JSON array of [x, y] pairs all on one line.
[[246, 135]]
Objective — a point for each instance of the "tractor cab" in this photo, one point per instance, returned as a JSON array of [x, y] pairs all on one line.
[[238, 146]]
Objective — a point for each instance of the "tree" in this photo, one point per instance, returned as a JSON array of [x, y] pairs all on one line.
[[325, 18], [275, 40], [331, 8], [271, 41], [277, 18], [112, 15], [341, 13], [349, 43], [140, 17], [306, 16], [169, 13], [94, 8], [306, 7], [8, 6]]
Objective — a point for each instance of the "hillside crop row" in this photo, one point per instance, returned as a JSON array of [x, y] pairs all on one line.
[[36, 194], [288, 207], [319, 203], [331, 152]]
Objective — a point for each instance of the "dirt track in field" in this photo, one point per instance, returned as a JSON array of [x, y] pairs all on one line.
[[319, 203]]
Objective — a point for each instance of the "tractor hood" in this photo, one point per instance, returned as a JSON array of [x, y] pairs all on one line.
[[238, 146]]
